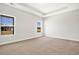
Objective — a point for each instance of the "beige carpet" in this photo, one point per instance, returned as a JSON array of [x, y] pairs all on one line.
[[41, 46]]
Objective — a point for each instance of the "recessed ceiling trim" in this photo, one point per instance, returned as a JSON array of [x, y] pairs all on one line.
[[60, 9], [63, 11], [37, 10], [15, 5], [28, 8], [31, 7]]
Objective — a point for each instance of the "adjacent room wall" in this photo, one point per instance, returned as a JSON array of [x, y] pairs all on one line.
[[64, 25], [25, 25]]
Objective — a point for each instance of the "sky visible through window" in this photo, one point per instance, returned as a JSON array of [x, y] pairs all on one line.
[[38, 24], [6, 21], [0, 20]]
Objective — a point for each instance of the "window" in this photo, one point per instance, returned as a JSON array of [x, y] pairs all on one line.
[[39, 26], [7, 25]]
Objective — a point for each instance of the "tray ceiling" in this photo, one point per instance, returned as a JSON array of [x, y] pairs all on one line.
[[45, 9]]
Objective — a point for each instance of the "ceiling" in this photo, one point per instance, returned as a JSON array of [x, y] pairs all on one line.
[[45, 9]]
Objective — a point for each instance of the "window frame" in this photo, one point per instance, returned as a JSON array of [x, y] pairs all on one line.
[[7, 25]]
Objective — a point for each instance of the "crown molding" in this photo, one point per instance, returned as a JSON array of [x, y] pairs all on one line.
[[63, 10], [25, 9], [31, 7], [35, 11]]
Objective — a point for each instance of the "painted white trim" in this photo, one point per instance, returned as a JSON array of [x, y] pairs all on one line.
[[14, 41], [34, 11], [61, 37], [20, 7]]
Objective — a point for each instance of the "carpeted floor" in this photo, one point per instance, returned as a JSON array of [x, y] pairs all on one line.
[[41, 46]]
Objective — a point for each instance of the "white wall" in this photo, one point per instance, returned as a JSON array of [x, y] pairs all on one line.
[[25, 25], [64, 25]]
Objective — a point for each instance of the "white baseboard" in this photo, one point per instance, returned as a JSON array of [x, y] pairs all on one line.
[[65, 38], [9, 42]]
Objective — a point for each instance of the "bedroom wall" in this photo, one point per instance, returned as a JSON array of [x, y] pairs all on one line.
[[63, 25], [25, 25]]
